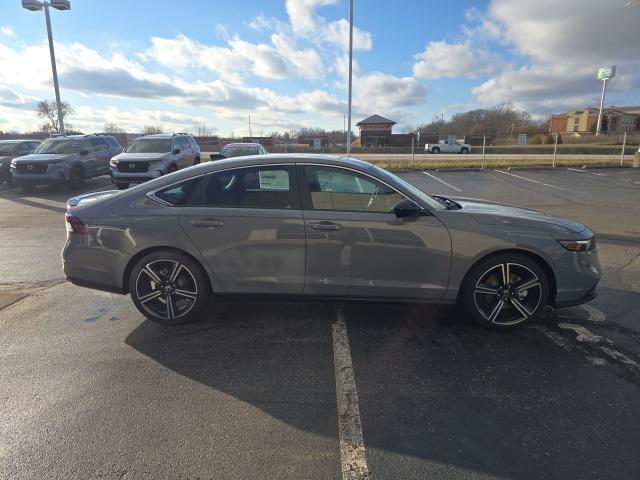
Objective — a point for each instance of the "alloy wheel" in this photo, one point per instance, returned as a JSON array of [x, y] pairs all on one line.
[[166, 289], [507, 294]]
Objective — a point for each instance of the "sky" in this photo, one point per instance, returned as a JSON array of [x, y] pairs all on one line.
[[212, 64]]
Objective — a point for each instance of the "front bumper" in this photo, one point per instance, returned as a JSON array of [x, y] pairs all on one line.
[[140, 177], [577, 276], [49, 178]]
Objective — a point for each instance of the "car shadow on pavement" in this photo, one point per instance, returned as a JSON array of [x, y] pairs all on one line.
[[432, 387]]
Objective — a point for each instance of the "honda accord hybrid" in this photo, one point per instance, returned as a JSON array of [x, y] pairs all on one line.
[[317, 226]]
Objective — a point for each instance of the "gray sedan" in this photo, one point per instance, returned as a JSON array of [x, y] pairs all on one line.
[[316, 226]]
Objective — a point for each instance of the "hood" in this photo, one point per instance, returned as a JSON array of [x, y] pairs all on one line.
[[43, 157], [128, 157], [82, 200], [509, 216]]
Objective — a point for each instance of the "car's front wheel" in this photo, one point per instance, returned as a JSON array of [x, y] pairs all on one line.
[[76, 178], [435, 150], [168, 287], [505, 291], [122, 186]]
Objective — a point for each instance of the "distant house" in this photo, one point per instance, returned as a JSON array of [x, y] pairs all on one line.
[[585, 120], [376, 131]]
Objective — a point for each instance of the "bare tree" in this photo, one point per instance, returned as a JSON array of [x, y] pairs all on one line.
[[112, 129], [151, 129], [47, 109]]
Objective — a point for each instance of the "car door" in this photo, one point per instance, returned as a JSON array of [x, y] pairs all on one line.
[[248, 224], [88, 157], [102, 155], [187, 151], [356, 246]]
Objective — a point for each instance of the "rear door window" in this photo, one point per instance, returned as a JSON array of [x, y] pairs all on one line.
[[271, 187], [178, 195]]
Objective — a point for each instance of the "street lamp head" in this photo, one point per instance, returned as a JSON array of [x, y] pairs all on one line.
[[60, 4], [32, 5]]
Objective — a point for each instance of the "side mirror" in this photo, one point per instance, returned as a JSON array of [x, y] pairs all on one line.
[[176, 151], [84, 151], [407, 209]]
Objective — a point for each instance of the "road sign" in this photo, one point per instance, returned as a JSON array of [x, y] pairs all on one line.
[[605, 73], [522, 139], [317, 143], [451, 139]]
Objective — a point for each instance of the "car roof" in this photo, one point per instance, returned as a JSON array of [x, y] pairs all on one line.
[[20, 141], [288, 158]]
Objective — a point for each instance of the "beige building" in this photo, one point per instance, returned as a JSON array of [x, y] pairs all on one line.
[[585, 120]]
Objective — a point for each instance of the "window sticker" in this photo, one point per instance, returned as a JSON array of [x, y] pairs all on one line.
[[274, 179]]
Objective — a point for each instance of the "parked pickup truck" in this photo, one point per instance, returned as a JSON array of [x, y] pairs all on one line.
[[444, 147]]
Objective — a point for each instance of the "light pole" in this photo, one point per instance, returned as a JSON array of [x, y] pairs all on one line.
[[35, 5], [604, 74], [350, 74]]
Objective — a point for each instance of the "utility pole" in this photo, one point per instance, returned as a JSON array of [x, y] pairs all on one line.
[[350, 74], [250, 136]]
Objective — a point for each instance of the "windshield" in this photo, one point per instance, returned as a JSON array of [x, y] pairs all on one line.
[[150, 145], [415, 192], [238, 151], [67, 146], [8, 149]]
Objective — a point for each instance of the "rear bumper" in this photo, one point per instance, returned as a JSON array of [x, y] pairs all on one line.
[[95, 285]]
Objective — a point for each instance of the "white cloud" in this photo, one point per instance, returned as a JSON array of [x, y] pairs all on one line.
[[441, 59], [278, 60], [307, 23], [7, 31]]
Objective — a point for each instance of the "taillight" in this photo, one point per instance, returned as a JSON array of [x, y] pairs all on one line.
[[75, 225]]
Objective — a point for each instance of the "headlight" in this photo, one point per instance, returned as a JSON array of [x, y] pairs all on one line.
[[578, 245], [113, 162], [13, 163]]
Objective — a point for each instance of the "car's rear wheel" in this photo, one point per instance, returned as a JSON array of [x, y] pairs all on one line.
[[196, 160], [464, 150], [505, 291], [435, 150], [168, 287], [76, 178]]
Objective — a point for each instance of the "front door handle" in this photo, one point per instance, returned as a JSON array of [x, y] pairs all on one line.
[[325, 226], [207, 223]]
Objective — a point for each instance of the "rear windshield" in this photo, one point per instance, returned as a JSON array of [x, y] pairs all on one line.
[[59, 146], [8, 149], [150, 145], [238, 151]]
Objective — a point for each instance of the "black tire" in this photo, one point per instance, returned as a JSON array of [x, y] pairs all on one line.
[[196, 160], [122, 186], [189, 279], [483, 291], [464, 150], [435, 150], [28, 188], [76, 178], [172, 168]]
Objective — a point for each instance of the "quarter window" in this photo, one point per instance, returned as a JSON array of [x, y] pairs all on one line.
[[256, 187], [343, 190], [177, 195]]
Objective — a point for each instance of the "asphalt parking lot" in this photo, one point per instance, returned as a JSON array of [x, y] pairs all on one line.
[[91, 389]]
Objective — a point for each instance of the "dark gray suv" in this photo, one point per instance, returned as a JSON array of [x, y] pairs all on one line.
[[65, 160], [152, 156], [10, 149]]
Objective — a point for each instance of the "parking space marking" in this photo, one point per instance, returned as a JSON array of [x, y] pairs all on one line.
[[443, 182], [529, 179], [586, 171], [352, 453]]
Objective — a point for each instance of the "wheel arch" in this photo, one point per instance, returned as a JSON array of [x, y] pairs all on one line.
[[133, 260], [527, 253]]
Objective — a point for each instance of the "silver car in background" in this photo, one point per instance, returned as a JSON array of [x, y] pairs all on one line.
[[10, 149], [316, 226], [152, 156]]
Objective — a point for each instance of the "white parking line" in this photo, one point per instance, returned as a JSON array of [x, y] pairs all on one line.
[[443, 182], [529, 179], [586, 171], [352, 453]]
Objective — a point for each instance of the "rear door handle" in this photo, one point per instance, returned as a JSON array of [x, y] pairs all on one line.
[[325, 226], [210, 223]]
